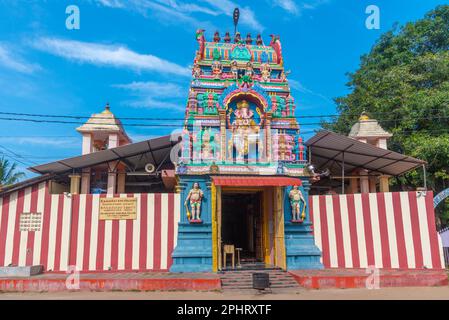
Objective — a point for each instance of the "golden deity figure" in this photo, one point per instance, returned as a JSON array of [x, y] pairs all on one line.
[[245, 131], [195, 197], [296, 198]]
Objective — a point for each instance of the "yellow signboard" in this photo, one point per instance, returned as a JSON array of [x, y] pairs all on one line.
[[118, 208]]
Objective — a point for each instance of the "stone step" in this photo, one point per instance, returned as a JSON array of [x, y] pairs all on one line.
[[243, 280]]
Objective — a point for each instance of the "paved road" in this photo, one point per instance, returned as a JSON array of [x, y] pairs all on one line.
[[433, 293]]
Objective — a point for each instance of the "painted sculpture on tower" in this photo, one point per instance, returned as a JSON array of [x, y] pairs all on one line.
[[195, 198], [244, 130], [239, 124], [240, 110], [296, 199]]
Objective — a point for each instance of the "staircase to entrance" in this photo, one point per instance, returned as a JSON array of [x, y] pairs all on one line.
[[241, 279]]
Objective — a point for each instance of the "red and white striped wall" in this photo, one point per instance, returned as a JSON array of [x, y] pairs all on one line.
[[386, 230], [72, 235], [142, 244]]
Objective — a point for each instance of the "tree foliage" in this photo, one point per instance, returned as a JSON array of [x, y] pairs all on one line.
[[8, 173], [404, 83]]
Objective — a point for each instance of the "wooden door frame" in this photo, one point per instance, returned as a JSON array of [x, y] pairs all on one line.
[[277, 223]]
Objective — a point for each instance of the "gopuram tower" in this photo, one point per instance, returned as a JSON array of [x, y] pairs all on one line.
[[242, 167]]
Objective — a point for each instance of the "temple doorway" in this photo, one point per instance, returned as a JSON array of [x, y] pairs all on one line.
[[242, 226]]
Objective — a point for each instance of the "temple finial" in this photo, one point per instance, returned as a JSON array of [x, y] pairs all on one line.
[[248, 39], [227, 37], [364, 116]]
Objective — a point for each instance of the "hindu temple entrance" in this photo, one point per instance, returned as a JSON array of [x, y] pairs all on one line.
[[248, 223], [241, 226]]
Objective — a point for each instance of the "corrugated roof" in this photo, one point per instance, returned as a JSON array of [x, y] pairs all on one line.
[[158, 150], [327, 149]]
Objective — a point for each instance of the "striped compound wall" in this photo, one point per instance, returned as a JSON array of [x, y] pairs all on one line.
[[385, 230], [72, 235]]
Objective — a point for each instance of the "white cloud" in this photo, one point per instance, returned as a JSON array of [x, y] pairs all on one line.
[[155, 95], [247, 16], [296, 85], [108, 55], [173, 11], [166, 11], [111, 3], [151, 103], [296, 7], [9, 60], [69, 143], [288, 5], [154, 89]]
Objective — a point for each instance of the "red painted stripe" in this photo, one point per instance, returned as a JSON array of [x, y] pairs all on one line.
[[74, 229], [4, 228], [87, 230], [368, 229], [433, 236], [46, 228], [353, 231], [338, 231], [399, 226], [171, 228], [30, 243], [384, 240], [129, 242], [143, 231], [100, 242], [58, 240], [324, 233], [115, 242], [157, 232], [414, 217], [17, 233]]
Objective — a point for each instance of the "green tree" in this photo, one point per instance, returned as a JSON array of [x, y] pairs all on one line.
[[404, 83], [8, 173]]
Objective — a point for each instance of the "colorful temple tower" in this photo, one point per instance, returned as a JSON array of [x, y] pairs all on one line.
[[242, 167]]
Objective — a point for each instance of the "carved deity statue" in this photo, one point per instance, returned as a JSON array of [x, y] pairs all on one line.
[[207, 150], [217, 69], [265, 71], [235, 69], [249, 69], [244, 130], [196, 71], [296, 198], [195, 197]]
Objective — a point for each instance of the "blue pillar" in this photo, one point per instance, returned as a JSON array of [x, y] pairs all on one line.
[[193, 252], [301, 251]]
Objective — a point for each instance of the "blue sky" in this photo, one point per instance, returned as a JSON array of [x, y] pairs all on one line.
[[136, 54]]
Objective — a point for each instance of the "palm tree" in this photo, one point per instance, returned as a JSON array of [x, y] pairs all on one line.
[[8, 173]]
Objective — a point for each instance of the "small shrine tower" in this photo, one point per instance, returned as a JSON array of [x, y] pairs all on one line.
[[102, 131], [369, 131]]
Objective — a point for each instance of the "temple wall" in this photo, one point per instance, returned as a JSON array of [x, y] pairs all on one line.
[[72, 235], [385, 230]]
